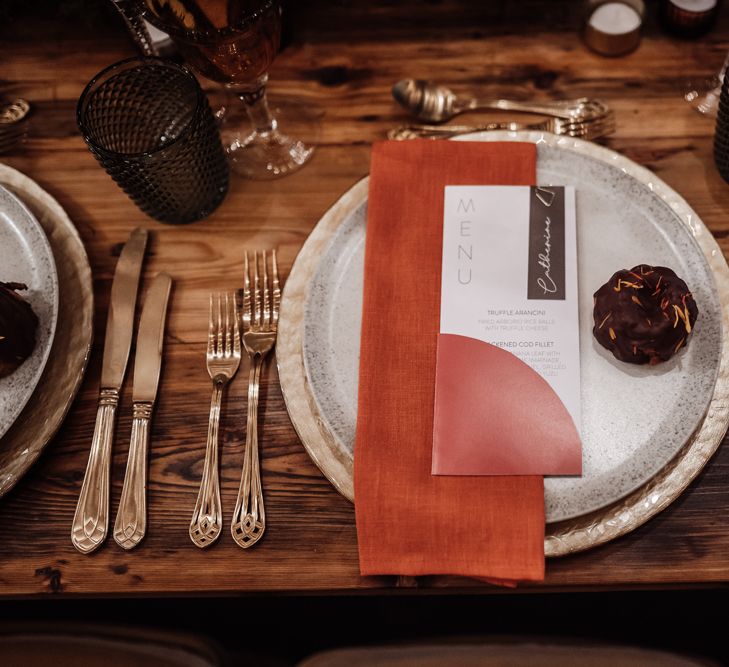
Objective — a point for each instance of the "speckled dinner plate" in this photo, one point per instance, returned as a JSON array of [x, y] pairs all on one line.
[[26, 257], [636, 419], [46, 409]]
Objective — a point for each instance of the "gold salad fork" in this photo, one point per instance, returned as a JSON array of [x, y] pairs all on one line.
[[223, 359], [260, 321]]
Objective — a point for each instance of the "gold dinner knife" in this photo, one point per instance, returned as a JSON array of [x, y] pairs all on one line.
[[91, 520], [131, 518]]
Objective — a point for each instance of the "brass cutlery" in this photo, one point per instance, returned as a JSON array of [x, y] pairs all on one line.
[[260, 322], [436, 104], [12, 123], [223, 358], [90, 522], [588, 129], [131, 518]]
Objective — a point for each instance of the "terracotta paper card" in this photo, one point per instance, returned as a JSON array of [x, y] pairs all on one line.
[[507, 393]]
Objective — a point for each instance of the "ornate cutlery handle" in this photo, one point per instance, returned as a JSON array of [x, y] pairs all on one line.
[[131, 517], [207, 519], [558, 109], [445, 131], [91, 520], [249, 518]]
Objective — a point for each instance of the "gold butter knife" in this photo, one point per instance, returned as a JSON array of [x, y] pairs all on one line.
[[131, 518], [90, 523]]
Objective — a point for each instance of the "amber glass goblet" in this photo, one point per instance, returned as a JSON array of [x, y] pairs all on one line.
[[234, 42]]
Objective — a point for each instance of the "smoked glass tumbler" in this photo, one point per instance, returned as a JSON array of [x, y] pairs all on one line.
[[149, 124]]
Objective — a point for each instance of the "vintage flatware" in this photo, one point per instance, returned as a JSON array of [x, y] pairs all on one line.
[[589, 129], [223, 358], [131, 518], [436, 104], [13, 112], [90, 523], [260, 323], [12, 127]]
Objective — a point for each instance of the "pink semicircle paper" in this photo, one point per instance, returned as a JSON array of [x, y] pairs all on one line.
[[494, 415]]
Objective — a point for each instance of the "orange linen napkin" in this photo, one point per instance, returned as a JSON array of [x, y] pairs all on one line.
[[410, 522]]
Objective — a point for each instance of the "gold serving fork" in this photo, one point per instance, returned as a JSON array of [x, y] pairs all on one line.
[[260, 321], [581, 128], [223, 359]]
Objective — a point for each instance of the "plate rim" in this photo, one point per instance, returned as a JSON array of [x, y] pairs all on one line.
[[571, 535], [23, 185], [30, 388]]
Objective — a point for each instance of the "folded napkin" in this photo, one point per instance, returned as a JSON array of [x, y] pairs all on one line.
[[410, 522]]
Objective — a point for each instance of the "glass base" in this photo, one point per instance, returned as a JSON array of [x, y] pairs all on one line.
[[266, 155], [704, 96]]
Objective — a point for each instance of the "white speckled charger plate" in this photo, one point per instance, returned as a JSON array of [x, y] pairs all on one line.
[[26, 257], [635, 419]]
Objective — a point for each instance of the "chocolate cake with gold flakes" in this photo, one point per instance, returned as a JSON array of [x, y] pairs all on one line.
[[644, 315], [18, 327]]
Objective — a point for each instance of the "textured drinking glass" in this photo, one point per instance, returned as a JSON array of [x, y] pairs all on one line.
[[149, 124]]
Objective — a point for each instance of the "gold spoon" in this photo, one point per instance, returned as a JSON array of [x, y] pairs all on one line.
[[436, 104]]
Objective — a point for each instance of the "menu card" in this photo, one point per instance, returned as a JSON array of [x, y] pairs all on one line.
[[507, 396]]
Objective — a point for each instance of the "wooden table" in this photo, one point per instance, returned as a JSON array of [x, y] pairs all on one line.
[[340, 64]]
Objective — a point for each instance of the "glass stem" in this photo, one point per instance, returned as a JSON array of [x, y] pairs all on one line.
[[257, 107]]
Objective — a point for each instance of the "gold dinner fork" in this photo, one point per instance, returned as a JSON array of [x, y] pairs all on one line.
[[260, 321], [223, 359], [591, 128]]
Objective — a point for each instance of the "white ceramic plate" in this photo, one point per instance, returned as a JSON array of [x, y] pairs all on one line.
[[26, 257], [635, 419]]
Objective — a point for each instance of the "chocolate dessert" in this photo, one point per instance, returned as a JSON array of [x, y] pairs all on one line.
[[18, 326], [644, 315]]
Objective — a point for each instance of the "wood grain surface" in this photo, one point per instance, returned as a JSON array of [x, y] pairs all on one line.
[[335, 74]]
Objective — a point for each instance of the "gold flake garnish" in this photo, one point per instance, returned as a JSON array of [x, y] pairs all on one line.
[[682, 315], [627, 283]]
